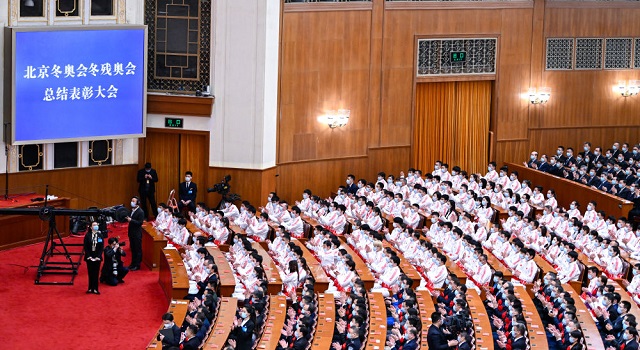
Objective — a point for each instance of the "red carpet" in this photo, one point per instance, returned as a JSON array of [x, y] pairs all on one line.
[[64, 317]]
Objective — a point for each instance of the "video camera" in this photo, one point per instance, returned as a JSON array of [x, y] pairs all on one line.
[[223, 187]]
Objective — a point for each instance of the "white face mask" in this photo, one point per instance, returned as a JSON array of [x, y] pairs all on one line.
[[187, 178], [134, 204]]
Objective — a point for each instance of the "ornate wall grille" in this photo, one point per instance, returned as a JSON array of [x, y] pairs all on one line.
[[434, 56], [560, 53], [174, 76], [617, 53], [636, 54], [589, 53]]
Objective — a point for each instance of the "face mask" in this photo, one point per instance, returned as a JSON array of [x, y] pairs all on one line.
[[589, 207], [95, 227], [533, 157], [159, 210], [434, 220], [243, 314], [168, 325], [360, 186], [512, 177], [489, 168], [389, 181], [187, 178], [484, 202], [398, 183], [348, 182], [134, 204]]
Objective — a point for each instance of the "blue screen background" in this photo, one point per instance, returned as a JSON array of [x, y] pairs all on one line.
[[37, 119]]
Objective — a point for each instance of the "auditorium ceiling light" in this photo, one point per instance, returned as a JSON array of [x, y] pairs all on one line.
[[335, 119], [539, 96], [626, 89]]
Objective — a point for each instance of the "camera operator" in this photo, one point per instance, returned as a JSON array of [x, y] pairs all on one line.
[[113, 270]]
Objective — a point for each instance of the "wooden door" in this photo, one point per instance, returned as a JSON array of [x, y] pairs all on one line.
[[172, 153]]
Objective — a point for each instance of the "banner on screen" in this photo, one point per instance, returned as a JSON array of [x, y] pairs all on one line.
[[73, 84]]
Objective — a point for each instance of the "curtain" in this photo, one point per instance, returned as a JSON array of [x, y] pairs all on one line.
[[452, 125]]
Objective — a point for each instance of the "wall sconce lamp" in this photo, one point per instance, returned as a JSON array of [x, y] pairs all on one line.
[[626, 89], [335, 119], [540, 96]]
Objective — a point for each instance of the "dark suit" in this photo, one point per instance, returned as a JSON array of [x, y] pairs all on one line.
[[147, 190], [353, 189], [353, 344], [135, 236], [519, 344], [244, 334], [568, 161], [593, 181], [95, 252], [436, 339], [604, 186], [300, 344], [544, 167], [187, 193], [113, 263], [630, 345], [191, 344], [171, 337], [464, 346], [410, 345]]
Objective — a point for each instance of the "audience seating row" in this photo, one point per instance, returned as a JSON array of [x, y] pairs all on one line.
[[222, 328], [535, 328], [153, 241], [274, 323], [225, 273], [587, 324], [324, 328], [568, 191], [377, 332], [173, 276], [322, 281]]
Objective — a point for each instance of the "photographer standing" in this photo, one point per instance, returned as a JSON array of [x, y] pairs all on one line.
[[147, 179], [93, 246], [113, 270]]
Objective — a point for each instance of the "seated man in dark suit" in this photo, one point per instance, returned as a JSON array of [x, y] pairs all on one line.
[[411, 340], [436, 338], [518, 343], [533, 161], [190, 342], [170, 335], [464, 341], [543, 165], [300, 341], [555, 167], [591, 179], [604, 184]]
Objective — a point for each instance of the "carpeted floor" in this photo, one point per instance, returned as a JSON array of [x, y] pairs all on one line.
[[64, 317]]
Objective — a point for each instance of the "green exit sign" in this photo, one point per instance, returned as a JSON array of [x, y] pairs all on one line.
[[173, 122], [458, 56]]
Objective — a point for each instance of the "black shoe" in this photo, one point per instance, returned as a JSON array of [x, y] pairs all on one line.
[[89, 291], [134, 268], [120, 281], [96, 292]]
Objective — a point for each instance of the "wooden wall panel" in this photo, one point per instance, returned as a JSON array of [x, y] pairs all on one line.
[[162, 151], [99, 186], [245, 182], [325, 66], [510, 150], [324, 176]]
